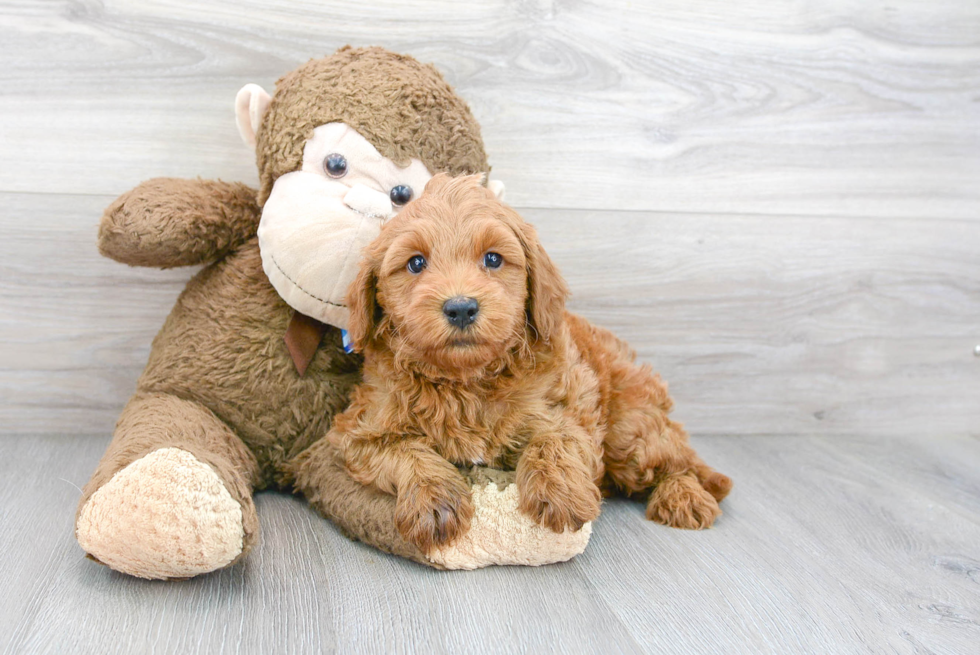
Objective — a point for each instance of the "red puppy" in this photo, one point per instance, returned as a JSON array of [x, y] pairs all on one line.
[[471, 358]]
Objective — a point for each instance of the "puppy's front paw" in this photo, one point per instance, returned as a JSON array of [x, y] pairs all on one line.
[[557, 493], [681, 502], [434, 513]]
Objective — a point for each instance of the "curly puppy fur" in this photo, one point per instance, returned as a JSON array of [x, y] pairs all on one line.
[[525, 386]]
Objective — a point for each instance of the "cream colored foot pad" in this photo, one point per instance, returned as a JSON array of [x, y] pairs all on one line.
[[501, 534], [166, 515]]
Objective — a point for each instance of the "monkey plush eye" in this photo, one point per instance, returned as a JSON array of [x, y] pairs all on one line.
[[335, 165], [400, 194], [492, 260], [416, 264]]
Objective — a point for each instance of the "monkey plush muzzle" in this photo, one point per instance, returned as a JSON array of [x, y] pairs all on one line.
[[319, 218]]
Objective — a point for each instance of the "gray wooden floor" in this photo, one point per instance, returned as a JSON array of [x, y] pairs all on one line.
[[777, 204], [826, 546]]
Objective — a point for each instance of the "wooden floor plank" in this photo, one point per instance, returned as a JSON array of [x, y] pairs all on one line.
[[832, 552], [777, 205], [826, 545]]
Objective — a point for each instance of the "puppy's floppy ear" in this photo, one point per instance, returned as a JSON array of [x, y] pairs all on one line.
[[363, 304], [546, 288], [438, 181]]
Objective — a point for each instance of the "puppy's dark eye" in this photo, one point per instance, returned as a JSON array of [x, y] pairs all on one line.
[[492, 260], [416, 264], [335, 165], [400, 194]]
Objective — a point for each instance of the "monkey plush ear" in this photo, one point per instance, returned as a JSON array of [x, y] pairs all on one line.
[[251, 104], [497, 188], [363, 306], [546, 288]]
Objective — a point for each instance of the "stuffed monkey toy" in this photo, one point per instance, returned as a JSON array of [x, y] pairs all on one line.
[[250, 366]]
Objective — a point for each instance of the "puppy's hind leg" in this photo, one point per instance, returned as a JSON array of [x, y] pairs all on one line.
[[643, 449], [682, 500]]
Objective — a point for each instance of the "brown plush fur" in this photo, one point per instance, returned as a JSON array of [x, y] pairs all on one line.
[[379, 94], [154, 420], [220, 382], [526, 386], [170, 222]]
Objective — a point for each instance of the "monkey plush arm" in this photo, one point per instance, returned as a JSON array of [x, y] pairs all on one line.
[[167, 222]]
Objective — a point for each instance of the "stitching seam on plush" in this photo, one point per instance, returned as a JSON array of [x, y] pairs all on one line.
[[296, 284], [343, 266]]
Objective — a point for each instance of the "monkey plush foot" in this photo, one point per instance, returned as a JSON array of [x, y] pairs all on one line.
[[501, 534], [165, 515]]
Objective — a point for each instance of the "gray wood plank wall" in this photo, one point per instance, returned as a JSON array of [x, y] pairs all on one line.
[[778, 204]]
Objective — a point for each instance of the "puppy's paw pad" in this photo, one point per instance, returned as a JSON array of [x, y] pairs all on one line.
[[681, 502], [166, 515]]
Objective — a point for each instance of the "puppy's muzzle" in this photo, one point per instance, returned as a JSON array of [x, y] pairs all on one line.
[[461, 312]]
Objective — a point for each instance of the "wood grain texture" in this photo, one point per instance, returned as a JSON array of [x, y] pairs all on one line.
[[776, 203], [868, 545], [828, 108], [805, 325], [784, 208]]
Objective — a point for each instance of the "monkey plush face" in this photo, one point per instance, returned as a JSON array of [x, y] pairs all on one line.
[[317, 220], [345, 142]]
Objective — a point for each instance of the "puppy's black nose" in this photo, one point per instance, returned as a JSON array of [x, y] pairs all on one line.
[[460, 311]]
